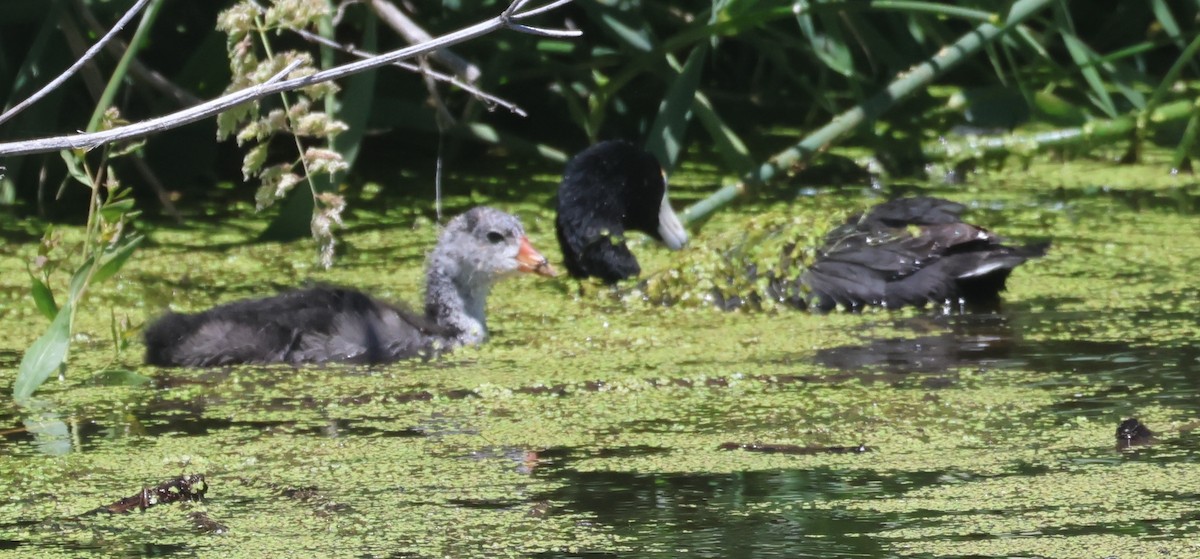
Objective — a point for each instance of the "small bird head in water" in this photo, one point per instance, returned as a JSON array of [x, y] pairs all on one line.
[[486, 241]]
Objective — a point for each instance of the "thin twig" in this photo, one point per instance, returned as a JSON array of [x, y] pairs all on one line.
[[73, 36], [543, 32], [91, 53], [530, 13], [442, 114], [91, 74], [437, 174], [137, 69], [415, 34], [341, 10], [513, 8], [514, 14], [226, 102], [425, 70]]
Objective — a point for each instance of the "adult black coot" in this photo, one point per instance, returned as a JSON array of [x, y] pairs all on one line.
[[912, 251], [608, 189], [322, 324]]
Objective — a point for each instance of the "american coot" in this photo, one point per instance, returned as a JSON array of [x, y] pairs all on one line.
[[323, 324], [608, 189], [912, 251]]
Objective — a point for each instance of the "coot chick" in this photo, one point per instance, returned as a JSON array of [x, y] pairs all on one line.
[[322, 324], [912, 251], [608, 189]]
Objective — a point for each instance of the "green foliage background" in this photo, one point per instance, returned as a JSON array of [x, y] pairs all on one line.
[[767, 71]]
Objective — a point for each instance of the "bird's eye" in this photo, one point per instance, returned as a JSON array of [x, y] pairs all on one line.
[[495, 237]]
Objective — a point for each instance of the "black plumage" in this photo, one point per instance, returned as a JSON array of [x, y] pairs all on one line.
[[608, 189], [322, 324], [912, 251], [313, 325]]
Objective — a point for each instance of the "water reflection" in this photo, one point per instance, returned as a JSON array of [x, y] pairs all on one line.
[[741, 515], [49, 433], [984, 342], [1183, 200]]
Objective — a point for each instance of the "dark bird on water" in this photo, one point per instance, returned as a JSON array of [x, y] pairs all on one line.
[[608, 189], [323, 324], [912, 251]]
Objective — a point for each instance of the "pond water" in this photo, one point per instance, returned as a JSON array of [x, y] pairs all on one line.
[[598, 425]]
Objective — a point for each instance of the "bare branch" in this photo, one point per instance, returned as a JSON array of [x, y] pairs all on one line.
[[530, 13], [479, 93], [91, 53], [514, 14], [562, 33], [414, 34], [341, 10], [513, 8], [226, 102]]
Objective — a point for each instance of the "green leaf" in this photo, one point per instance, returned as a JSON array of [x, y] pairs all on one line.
[[667, 133], [829, 47], [44, 298], [575, 108], [727, 143], [1162, 13], [117, 77], [79, 280], [1186, 144], [45, 355], [112, 212], [1058, 110], [1087, 66], [114, 259], [639, 39], [74, 168]]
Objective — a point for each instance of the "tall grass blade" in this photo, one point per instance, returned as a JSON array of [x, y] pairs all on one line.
[[829, 46], [727, 143], [1168, 80], [908, 82], [670, 126], [1089, 68], [637, 38], [119, 73], [1187, 144]]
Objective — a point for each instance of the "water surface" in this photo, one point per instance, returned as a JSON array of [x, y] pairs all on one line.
[[596, 425]]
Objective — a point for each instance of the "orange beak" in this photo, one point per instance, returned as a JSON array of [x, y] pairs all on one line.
[[530, 260]]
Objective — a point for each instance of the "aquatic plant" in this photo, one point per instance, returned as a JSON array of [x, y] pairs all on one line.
[[741, 79], [254, 60]]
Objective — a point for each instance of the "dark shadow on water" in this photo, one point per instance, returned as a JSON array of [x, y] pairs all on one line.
[[101, 547], [770, 513], [1164, 371], [89, 434], [739, 515]]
